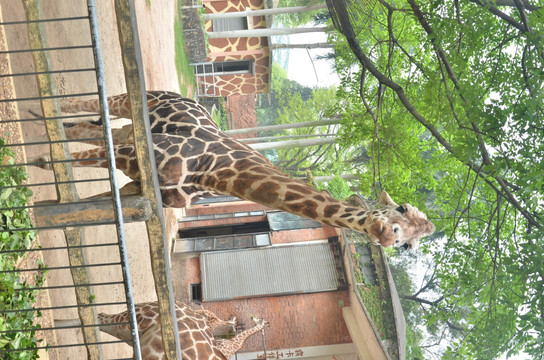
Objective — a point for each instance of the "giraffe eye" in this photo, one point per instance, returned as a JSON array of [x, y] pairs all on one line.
[[401, 209]]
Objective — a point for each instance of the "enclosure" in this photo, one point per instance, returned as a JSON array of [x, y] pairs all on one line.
[[92, 252]]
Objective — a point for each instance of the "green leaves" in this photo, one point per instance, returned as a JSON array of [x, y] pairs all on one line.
[[16, 236], [476, 77]]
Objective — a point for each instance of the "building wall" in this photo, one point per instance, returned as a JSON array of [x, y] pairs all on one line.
[[247, 48], [297, 320], [227, 207], [277, 237]]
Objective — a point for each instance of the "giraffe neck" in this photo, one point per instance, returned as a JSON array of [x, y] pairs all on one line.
[[122, 332], [276, 190], [147, 315], [230, 347]]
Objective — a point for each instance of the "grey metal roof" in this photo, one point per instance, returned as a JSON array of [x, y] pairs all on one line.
[[272, 270]]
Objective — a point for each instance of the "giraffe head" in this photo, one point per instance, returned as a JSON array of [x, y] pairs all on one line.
[[397, 225]]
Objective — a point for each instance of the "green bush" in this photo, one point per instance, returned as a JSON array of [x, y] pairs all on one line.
[[16, 236]]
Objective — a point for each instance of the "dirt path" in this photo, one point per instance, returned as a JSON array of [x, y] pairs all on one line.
[[157, 41]]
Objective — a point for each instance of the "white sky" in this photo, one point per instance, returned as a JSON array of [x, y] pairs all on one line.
[[300, 65]]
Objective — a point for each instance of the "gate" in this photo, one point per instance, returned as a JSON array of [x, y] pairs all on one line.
[[62, 256]]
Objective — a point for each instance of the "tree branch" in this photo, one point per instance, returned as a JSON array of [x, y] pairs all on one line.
[[485, 155], [423, 301], [492, 9], [512, 3], [369, 65]]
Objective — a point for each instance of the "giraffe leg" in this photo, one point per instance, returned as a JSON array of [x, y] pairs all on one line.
[[125, 160], [130, 188], [86, 131], [115, 325], [119, 105], [230, 347]]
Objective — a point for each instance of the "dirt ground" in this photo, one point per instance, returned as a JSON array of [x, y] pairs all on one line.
[[156, 29]]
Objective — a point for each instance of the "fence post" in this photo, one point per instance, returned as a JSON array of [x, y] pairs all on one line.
[[158, 244]]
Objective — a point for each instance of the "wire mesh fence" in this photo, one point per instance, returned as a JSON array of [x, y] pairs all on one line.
[[63, 252]]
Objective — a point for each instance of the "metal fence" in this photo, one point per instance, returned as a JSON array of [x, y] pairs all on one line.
[[62, 256]]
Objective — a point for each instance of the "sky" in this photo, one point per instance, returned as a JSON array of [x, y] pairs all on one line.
[[300, 66]]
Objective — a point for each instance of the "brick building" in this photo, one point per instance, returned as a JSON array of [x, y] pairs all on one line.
[[239, 258], [235, 65]]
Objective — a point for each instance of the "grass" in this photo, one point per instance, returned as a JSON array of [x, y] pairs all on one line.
[[186, 77], [372, 296], [219, 115], [16, 238]]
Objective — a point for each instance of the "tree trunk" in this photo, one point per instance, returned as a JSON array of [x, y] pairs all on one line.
[[277, 138], [265, 32], [301, 46], [330, 177], [264, 12], [331, 121], [292, 143]]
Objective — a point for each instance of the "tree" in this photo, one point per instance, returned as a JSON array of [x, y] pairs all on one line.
[[290, 144], [306, 115], [281, 88], [276, 46], [449, 101], [265, 12], [300, 18], [333, 121]]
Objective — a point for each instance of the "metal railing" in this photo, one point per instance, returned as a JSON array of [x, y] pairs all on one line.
[[79, 262]]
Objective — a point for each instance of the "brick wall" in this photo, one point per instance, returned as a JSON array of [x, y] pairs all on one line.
[[221, 208], [295, 320], [220, 222], [277, 237], [301, 235]]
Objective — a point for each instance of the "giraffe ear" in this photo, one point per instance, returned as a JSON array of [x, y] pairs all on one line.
[[385, 199]]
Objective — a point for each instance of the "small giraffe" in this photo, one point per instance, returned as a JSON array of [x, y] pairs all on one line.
[[215, 322], [195, 333], [195, 158]]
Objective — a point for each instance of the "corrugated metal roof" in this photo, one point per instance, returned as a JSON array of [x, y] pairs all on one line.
[[274, 270]]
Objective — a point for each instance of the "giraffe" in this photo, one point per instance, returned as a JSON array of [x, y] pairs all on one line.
[[195, 158], [195, 333], [213, 321]]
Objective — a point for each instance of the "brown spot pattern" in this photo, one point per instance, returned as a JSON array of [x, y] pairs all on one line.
[[330, 210], [172, 171], [299, 188], [291, 196], [310, 209], [266, 192], [320, 198]]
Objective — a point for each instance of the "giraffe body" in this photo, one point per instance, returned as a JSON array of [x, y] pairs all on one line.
[[195, 333], [194, 158]]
